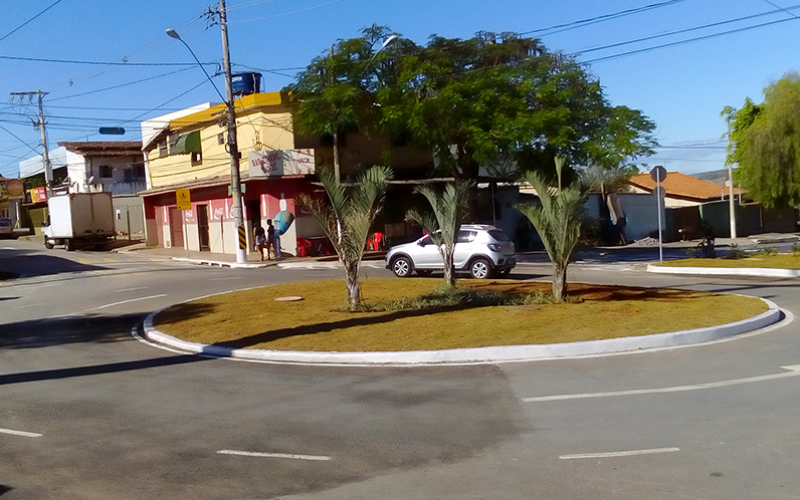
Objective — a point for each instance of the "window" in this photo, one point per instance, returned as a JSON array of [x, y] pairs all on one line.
[[197, 159], [128, 175], [138, 171], [220, 138], [466, 236], [499, 235], [105, 172], [162, 148]]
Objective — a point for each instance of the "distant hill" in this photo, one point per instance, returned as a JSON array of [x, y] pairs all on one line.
[[716, 176]]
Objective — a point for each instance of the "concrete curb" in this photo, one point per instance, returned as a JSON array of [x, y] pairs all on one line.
[[473, 356], [372, 264], [222, 263], [727, 271]]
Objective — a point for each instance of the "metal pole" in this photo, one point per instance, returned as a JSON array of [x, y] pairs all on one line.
[[658, 195], [128, 216], [48, 168], [233, 149], [731, 201]]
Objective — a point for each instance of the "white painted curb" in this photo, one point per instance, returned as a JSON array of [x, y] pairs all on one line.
[[221, 263], [726, 271], [477, 355]]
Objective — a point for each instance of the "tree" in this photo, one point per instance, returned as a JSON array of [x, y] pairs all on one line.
[[764, 140], [348, 216], [557, 217], [449, 207], [476, 102]]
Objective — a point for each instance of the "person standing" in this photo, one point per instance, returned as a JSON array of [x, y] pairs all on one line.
[[274, 239], [261, 240]]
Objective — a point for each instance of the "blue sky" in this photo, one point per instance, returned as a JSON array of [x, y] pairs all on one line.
[[682, 87]]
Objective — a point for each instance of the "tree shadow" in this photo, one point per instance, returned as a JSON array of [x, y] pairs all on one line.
[[4, 489], [27, 263]]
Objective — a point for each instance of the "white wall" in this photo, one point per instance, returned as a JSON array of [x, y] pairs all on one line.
[[641, 213]]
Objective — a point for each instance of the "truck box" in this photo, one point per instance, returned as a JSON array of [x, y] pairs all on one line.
[[80, 219]]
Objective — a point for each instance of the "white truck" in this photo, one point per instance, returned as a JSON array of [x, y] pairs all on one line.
[[79, 220]]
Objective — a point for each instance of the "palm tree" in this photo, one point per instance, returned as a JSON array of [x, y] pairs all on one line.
[[348, 217], [449, 209], [557, 217]]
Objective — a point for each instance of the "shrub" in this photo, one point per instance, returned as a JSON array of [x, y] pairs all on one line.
[[736, 252]]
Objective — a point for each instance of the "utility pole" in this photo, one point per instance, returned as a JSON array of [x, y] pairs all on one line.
[[40, 125], [233, 148], [731, 202]]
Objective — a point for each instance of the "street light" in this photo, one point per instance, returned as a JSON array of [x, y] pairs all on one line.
[[233, 149], [174, 34]]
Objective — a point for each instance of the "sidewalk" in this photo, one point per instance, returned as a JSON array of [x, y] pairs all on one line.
[[229, 260]]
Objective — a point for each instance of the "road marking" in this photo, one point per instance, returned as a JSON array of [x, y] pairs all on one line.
[[793, 371], [84, 261], [130, 300], [20, 433], [223, 279], [619, 453], [273, 455], [131, 289], [106, 259], [29, 305]]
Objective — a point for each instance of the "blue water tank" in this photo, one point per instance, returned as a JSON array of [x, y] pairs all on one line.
[[245, 83]]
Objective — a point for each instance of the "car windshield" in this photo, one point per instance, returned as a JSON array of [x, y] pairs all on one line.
[[499, 235]]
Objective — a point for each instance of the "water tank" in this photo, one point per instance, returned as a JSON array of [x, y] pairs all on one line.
[[245, 83]]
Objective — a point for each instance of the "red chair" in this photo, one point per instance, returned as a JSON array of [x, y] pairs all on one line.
[[374, 241], [303, 247]]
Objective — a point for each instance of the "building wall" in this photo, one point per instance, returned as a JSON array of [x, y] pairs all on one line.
[[641, 214], [128, 216]]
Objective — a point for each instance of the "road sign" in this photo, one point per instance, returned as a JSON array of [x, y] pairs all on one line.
[[660, 192], [658, 173], [183, 199], [112, 131]]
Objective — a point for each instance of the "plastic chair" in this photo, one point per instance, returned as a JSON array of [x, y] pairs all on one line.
[[374, 241], [303, 247]]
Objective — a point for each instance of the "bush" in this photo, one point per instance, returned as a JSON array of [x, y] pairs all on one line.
[[768, 251], [796, 250], [736, 252]]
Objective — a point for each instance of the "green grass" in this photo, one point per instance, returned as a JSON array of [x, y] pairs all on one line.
[[253, 319], [779, 261]]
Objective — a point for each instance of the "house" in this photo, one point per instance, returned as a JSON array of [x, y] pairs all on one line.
[[187, 151], [682, 190]]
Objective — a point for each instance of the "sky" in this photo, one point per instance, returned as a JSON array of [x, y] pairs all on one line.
[[683, 87]]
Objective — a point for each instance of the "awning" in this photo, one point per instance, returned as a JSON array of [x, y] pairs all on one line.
[[187, 143]]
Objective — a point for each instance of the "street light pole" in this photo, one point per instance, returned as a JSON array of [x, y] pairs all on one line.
[[233, 148]]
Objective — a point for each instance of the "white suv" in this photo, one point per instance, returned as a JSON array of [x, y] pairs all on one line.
[[480, 250]]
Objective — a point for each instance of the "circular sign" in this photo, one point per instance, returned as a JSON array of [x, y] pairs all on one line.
[[658, 173], [660, 192], [14, 187]]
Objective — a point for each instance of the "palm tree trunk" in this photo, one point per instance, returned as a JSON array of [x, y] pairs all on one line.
[[559, 284], [336, 171], [449, 272], [353, 286]]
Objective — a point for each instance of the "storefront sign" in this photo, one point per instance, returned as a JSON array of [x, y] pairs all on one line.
[[38, 194], [15, 189], [279, 162]]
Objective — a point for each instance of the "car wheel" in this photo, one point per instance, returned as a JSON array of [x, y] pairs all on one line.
[[401, 267], [503, 273], [69, 245], [48, 245], [480, 269], [424, 272]]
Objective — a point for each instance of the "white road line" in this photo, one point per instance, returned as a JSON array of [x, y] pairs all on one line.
[[273, 455], [619, 453], [131, 289], [29, 305], [129, 300], [228, 278], [793, 372], [20, 433]]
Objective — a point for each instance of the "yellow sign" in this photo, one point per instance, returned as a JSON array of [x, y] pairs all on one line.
[[183, 199]]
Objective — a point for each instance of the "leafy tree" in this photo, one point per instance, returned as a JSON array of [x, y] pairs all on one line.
[[557, 217], [348, 216], [472, 103], [449, 207], [764, 140]]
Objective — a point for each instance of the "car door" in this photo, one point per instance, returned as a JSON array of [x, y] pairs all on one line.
[[426, 255], [464, 248]]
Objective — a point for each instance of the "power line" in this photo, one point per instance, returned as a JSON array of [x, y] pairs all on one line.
[[286, 13], [602, 18], [681, 42], [685, 30], [121, 85], [29, 20], [100, 63]]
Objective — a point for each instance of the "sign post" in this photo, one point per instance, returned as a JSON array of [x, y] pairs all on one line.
[[658, 174], [183, 200]]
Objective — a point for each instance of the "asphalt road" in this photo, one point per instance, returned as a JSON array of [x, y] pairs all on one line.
[[89, 412]]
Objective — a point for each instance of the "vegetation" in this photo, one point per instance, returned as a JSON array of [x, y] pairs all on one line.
[[348, 216], [449, 207], [253, 319], [557, 217], [764, 140]]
